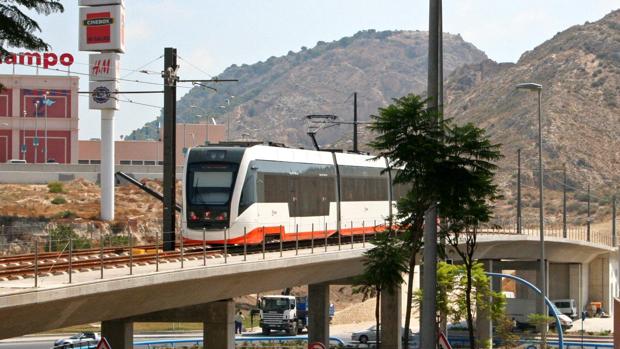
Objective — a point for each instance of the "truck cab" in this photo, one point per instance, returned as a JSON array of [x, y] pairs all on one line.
[[282, 313]]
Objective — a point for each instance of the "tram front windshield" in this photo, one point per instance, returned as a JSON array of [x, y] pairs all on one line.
[[209, 190]]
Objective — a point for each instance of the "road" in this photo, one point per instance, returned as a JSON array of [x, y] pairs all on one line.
[[48, 342]]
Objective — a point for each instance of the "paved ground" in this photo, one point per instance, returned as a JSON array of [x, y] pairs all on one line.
[[593, 325]]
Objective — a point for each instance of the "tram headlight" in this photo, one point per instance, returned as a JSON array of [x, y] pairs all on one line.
[[192, 216]]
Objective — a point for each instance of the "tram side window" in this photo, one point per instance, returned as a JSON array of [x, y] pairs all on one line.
[[308, 189], [310, 195], [363, 184]]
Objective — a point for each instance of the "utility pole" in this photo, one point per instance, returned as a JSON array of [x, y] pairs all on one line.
[[428, 334], [519, 214], [588, 222], [170, 96], [355, 150], [564, 213], [613, 221]]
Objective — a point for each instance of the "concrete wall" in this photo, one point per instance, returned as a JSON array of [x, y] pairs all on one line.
[[559, 278], [599, 282], [45, 173]]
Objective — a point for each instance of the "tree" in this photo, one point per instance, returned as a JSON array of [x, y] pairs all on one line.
[[384, 267], [440, 163], [17, 29], [410, 136], [453, 294], [466, 198]]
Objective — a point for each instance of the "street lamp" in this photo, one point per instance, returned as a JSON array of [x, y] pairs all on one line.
[[228, 121], [35, 142], [23, 138], [530, 86], [45, 103], [206, 116]]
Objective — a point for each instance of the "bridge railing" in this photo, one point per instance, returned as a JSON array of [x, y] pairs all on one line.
[[570, 232], [68, 254]]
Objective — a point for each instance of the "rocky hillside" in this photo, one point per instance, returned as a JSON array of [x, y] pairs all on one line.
[[579, 69], [272, 97]]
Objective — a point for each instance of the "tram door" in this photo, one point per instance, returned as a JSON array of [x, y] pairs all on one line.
[[293, 206]]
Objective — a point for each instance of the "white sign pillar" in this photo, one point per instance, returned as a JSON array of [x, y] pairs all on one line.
[[102, 27]]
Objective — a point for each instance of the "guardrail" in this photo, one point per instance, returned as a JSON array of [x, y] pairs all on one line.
[[198, 341]]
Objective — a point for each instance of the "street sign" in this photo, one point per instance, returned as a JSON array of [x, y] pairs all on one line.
[[103, 344], [316, 345], [35, 142], [443, 341]]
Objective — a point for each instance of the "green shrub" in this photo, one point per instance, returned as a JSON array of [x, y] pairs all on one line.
[[59, 200], [60, 237], [55, 187], [66, 214]]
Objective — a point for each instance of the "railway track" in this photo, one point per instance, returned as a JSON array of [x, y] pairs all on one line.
[[58, 263]]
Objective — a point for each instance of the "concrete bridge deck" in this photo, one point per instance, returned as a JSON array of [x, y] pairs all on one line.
[[57, 304]]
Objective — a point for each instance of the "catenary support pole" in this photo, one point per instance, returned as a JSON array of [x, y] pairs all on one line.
[[107, 164], [589, 216], [519, 213], [355, 122], [170, 81], [428, 335], [564, 213], [613, 222]]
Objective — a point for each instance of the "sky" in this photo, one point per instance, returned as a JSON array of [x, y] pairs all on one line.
[[211, 35]]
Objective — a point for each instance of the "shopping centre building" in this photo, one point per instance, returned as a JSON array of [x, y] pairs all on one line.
[[39, 123]]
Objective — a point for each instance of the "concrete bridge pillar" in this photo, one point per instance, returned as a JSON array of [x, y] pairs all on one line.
[[391, 319], [318, 313], [119, 333], [483, 322], [219, 325]]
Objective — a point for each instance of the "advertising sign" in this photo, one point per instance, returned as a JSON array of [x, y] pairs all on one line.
[[103, 95], [102, 28], [100, 2], [103, 66]]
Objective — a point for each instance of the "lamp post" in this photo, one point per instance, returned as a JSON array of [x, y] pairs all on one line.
[[35, 141], [530, 86], [22, 141], [206, 116], [228, 121], [45, 102]]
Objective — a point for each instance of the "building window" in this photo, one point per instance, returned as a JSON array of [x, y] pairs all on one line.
[[95, 162], [149, 162], [83, 162], [125, 162], [137, 162], [161, 163]]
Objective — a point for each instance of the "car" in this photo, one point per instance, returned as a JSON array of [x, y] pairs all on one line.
[[16, 161], [52, 161], [370, 335], [82, 338]]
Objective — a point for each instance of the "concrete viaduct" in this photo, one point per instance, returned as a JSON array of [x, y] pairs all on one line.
[[584, 271]]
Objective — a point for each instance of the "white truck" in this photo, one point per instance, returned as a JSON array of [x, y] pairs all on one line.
[[519, 310], [283, 313], [567, 307]]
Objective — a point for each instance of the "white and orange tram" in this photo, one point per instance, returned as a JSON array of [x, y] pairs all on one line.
[[247, 194]]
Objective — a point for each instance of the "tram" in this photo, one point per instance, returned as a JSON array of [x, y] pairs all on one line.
[[251, 193]]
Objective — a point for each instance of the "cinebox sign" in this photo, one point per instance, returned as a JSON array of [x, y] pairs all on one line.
[[102, 28]]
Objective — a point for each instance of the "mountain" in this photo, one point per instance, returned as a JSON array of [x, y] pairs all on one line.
[[579, 69], [272, 97]]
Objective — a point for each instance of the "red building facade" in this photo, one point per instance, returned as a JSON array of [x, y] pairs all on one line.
[[38, 118]]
